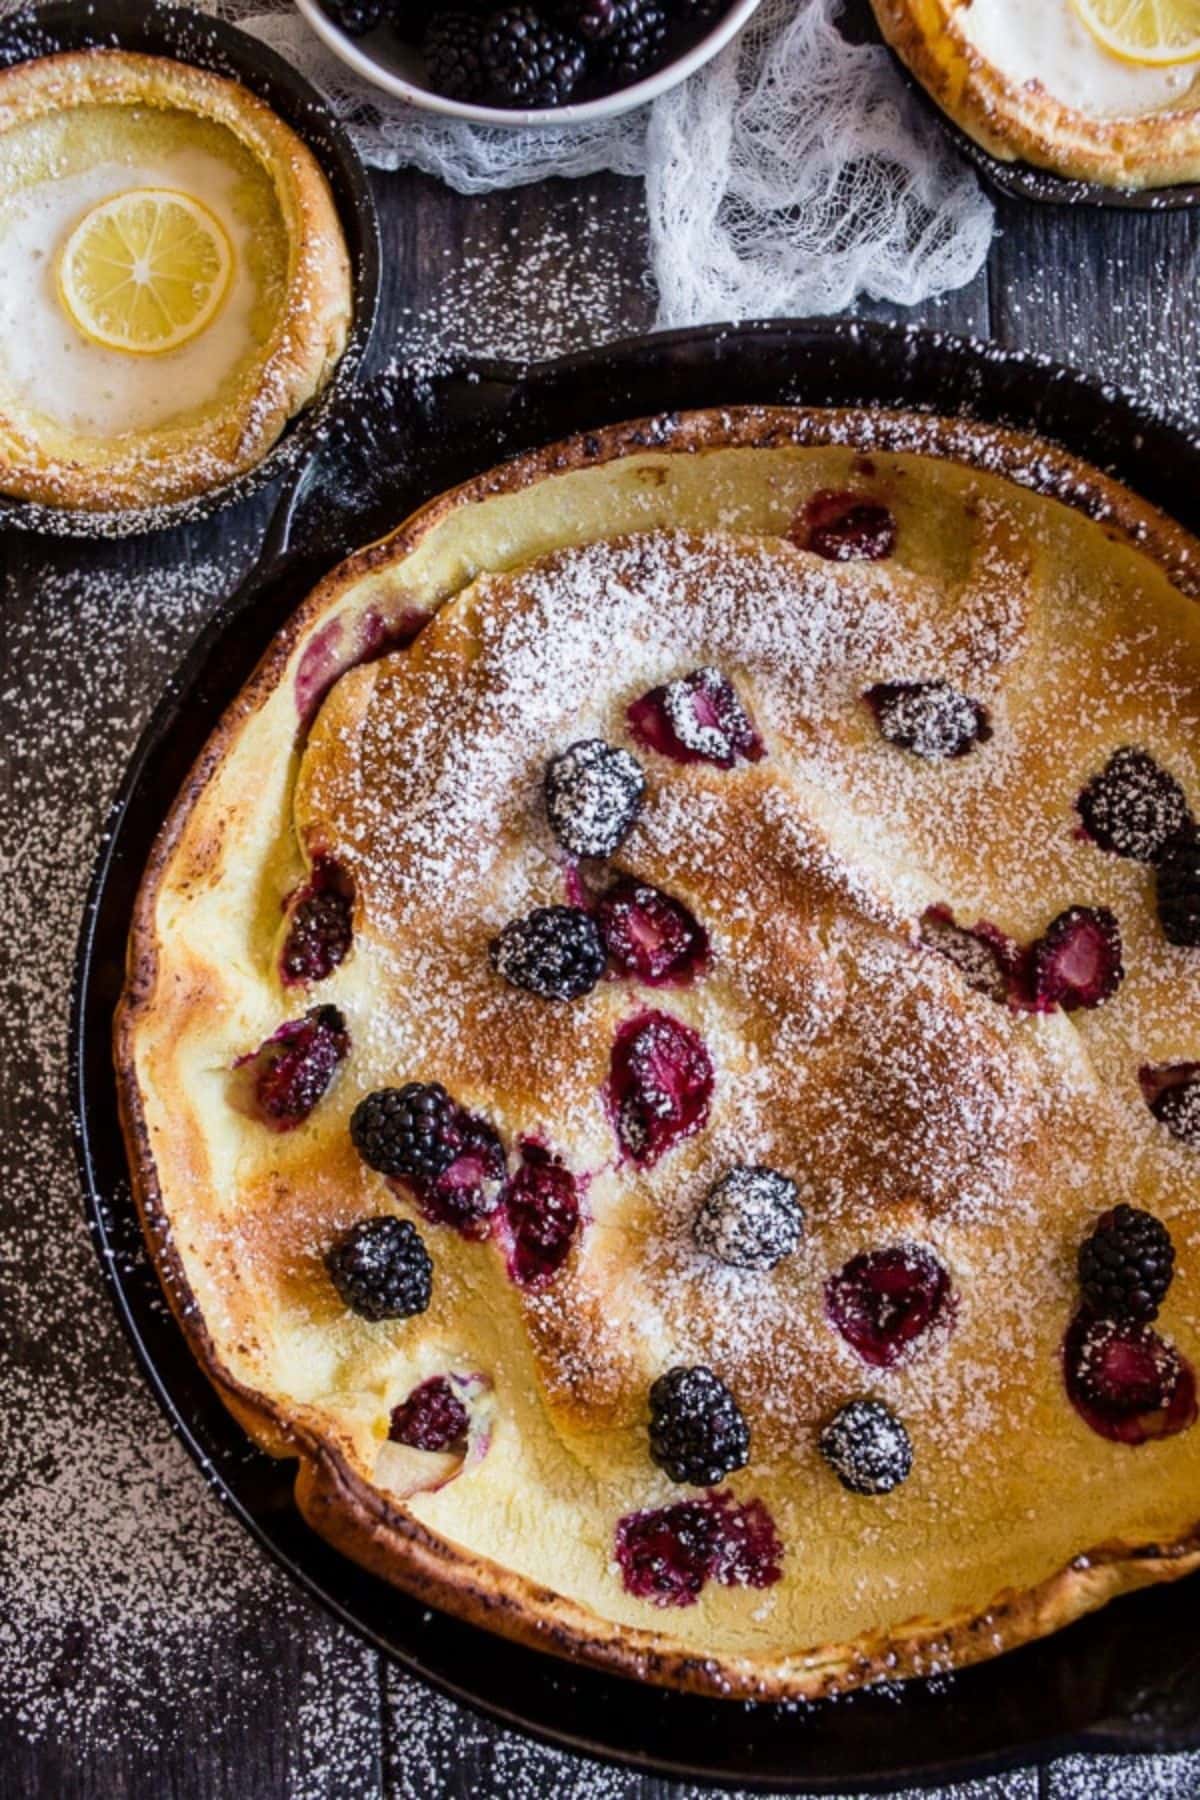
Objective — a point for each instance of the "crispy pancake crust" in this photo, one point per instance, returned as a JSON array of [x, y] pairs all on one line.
[[61, 468], [1025, 123], [236, 1278]]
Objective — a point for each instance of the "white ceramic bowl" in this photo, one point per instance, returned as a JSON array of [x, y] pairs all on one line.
[[398, 69]]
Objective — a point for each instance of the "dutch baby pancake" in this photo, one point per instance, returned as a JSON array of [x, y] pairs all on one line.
[[174, 282], [1105, 91], [660, 1060]]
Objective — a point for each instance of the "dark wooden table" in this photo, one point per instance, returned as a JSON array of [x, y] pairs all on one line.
[[146, 1647]]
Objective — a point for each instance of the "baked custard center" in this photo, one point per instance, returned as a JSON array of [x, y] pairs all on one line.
[[49, 367], [1046, 41]]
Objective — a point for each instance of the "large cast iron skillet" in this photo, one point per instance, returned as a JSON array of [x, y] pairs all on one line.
[[1127, 1678]]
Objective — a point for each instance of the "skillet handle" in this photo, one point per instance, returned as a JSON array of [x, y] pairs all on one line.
[[375, 463]]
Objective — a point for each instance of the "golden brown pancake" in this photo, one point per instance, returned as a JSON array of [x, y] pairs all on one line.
[[88, 425], [953, 1108]]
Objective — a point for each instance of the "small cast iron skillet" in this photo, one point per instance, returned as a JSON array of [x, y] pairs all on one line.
[[193, 37], [1125, 1679]]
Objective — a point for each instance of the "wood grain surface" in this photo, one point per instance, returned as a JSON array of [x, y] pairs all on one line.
[[162, 1656]]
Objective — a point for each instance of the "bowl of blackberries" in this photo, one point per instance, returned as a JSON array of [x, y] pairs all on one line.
[[526, 62]]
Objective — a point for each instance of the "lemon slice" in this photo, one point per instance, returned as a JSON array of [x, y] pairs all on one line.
[[145, 271], [1161, 32]]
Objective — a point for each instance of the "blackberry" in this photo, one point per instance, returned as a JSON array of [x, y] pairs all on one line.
[[750, 1219], [708, 718], [413, 1130], [846, 527], [432, 1418], [1179, 889], [884, 1301], [1126, 1265], [983, 956], [554, 951], [381, 1269], [1132, 807], [318, 937], [468, 1191], [592, 19], [636, 44], [1121, 1371], [669, 1554], [354, 17], [1077, 961], [542, 1208], [867, 1447], [528, 61], [696, 718], [649, 934], [660, 1085], [593, 796], [295, 1066], [930, 718], [453, 62], [697, 1431], [411, 19], [1178, 1108]]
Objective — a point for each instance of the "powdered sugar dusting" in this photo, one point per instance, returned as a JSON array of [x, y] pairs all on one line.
[[917, 1110], [448, 1745], [1125, 1778], [523, 295], [124, 1583], [798, 629]]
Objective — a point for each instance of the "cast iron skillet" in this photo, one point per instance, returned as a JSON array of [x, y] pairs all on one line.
[[1022, 180], [1127, 1678], [193, 37]]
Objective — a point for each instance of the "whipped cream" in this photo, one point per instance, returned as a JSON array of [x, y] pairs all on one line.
[[1046, 41], [50, 367]]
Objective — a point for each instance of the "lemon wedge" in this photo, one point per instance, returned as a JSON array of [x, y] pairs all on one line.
[[1160, 32], [145, 271]]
